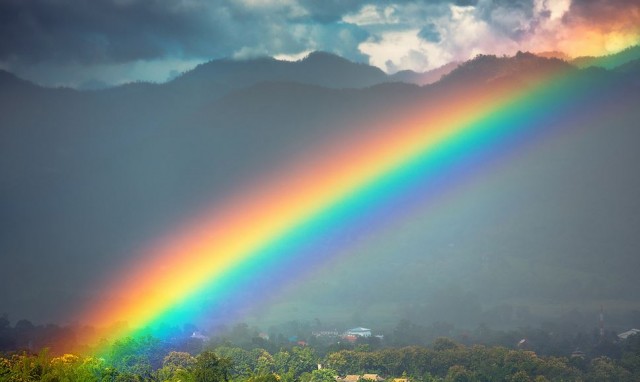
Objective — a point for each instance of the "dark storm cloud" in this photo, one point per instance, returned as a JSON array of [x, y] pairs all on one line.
[[513, 18], [331, 10], [334, 10], [120, 31], [98, 30], [464, 3]]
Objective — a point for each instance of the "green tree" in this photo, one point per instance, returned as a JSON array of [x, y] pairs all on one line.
[[604, 369], [211, 368], [323, 375], [337, 361], [138, 356], [177, 366], [458, 373], [67, 369], [243, 361], [263, 378], [519, 376], [265, 363], [281, 362], [303, 359], [26, 367], [444, 343]]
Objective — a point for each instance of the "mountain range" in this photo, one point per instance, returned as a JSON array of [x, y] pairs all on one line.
[[88, 177]]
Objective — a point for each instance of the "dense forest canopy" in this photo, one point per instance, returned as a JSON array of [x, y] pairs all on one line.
[[148, 359]]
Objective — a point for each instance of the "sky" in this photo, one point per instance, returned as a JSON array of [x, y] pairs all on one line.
[[82, 43]]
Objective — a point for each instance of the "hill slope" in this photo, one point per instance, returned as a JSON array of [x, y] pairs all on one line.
[[609, 61]]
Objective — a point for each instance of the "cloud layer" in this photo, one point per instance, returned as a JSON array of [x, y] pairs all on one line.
[[124, 40], [421, 36]]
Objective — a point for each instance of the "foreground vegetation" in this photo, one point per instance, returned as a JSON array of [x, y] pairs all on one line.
[[146, 359]]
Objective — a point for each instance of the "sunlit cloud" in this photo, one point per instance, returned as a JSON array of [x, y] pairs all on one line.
[[421, 37], [461, 35], [372, 14], [292, 57]]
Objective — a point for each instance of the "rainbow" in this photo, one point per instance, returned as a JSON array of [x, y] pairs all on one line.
[[240, 250]]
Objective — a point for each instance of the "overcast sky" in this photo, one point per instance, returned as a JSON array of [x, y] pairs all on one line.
[[76, 42]]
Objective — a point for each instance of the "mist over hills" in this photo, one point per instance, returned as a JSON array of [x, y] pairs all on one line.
[[318, 68], [609, 61], [90, 177], [425, 78]]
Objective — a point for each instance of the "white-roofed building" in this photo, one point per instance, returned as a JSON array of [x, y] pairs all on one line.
[[360, 332], [625, 335]]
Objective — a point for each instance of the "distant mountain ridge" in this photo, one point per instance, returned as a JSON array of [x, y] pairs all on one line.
[[486, 68], [318, 68], [218, 77], [11, 82]]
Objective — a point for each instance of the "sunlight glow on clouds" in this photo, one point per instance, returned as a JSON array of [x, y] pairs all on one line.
[[403, 37]]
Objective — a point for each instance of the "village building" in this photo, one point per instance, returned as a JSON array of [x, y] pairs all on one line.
[[359, 332], [348, 378], [199, 336], [372, 377], [363, 377], [628, 333]]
